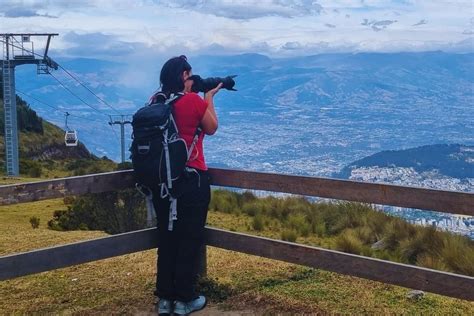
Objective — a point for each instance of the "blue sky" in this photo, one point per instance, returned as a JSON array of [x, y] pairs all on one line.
[[143, 29]]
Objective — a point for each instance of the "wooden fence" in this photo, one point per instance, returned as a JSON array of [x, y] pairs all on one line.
[[449, 284]]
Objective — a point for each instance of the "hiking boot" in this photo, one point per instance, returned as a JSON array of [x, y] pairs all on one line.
[[165, 307], [197, 304]]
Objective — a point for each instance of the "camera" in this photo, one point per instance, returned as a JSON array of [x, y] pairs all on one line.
[[206, 84]]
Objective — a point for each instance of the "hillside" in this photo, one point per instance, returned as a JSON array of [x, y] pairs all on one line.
[[440, 166], [42, 150]]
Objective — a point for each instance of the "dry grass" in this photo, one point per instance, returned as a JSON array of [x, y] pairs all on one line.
[[124, 285]]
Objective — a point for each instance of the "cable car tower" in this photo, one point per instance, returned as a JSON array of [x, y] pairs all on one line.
[[122, 120], [18, 49]]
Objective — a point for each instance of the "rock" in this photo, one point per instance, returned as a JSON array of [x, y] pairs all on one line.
[[415, 295], [379, 245]]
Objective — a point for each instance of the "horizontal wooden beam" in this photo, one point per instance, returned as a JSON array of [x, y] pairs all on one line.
[[374, 193], [57, 188], [444, 283], [46, 259], [439, 282]]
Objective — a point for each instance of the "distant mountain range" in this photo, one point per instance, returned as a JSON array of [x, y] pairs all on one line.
[[309, 115]]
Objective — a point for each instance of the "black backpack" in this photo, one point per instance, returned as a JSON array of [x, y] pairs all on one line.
[[159, 155]]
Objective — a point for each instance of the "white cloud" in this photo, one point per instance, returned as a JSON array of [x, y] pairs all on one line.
[[248, 9], [147, 29]]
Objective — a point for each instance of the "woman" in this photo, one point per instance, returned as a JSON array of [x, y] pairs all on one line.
[[179, 249]]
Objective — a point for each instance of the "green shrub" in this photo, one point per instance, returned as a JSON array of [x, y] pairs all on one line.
[[30, 168], [348, 242], [458, 254], [258, 222], [246, 197], [366, 235], [224, 201], [123, 165], [34, 221], [396, 231], [376, 221], [251, 209], [35, 171], [79, 172], [112, 212], [78, 164], [95, 169], [299, 223], [319, 228], [352, 215], [289, 235], [426, 241]]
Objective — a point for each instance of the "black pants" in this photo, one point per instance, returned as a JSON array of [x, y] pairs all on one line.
[[179, 249]]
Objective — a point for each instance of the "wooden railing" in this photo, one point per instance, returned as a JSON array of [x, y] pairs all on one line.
[[449, 284]]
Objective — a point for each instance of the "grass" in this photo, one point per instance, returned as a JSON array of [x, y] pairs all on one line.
[[124, 285], [350, 227]]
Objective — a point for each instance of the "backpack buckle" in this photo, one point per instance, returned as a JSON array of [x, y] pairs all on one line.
[[143, 149]]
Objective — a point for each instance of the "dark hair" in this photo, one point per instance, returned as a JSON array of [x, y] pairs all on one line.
[[171, 75]]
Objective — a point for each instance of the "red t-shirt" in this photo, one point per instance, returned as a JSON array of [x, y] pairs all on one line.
[[188, 113]]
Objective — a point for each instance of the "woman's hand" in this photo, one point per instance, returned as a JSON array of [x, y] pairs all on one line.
[[209, 121], [211, 93]]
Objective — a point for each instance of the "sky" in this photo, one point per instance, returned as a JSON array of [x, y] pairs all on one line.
[[117, 29]]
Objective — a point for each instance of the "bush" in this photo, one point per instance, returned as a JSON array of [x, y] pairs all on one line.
[[251, 209], [289, 235], [319, 228], [426, 241], [246, 197], [224, 201], [95, 169], [35, 222], [35, 171], [79, 172], [30, 168], [366, 235], [396, 231], [78, 164], [458, 254], [348, 242], [257, 222], [112, 212], [123, 165], [299, 223]]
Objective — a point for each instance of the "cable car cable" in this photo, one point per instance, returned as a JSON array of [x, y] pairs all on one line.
[[66, 71], [102, 100], [98, 111], [56, 108]]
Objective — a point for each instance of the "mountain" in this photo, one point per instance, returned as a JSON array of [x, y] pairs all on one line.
[[442, 166], [309, 115]]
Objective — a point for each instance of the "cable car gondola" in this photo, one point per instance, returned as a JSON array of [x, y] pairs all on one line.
[[70, 137]]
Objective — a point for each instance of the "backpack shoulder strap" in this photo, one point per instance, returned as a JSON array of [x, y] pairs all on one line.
[[174, 97]]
